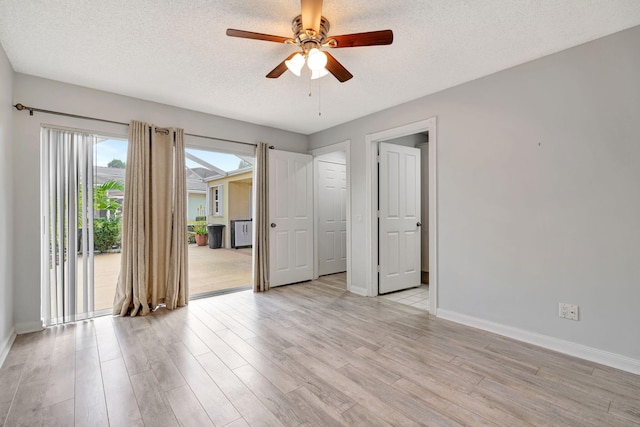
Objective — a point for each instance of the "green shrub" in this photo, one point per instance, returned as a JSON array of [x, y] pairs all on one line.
[[106, 233]]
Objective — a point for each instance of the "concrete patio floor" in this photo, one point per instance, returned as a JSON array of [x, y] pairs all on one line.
[[209, 270]]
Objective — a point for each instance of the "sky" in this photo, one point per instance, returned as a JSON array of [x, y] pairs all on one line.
[[110, 149]]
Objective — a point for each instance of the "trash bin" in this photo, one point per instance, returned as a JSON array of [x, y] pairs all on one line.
[[215, 235]]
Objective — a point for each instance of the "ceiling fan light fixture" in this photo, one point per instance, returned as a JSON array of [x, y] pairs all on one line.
[[311, 33], [316, 59], [317, 74], [295, 64]]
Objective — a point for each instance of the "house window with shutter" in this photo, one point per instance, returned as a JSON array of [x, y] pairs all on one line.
[[215, 196]]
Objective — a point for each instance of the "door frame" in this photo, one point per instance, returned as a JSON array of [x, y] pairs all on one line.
[[371, 156], [340, 146]]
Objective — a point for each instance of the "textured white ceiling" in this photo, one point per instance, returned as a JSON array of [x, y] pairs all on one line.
[[176, 51]]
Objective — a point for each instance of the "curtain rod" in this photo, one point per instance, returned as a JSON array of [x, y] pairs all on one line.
[[21, 107]]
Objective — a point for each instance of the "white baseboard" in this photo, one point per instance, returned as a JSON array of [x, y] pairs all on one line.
[[27, 327], [613, 360], [5, 346]]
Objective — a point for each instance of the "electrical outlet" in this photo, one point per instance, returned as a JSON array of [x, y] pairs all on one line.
[[568, 311], [563, 310]]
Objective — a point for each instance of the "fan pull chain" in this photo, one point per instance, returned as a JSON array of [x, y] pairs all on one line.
[[319, 97]]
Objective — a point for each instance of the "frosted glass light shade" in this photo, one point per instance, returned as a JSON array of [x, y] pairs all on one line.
[[316, 74], [295, 64], [316, 60]]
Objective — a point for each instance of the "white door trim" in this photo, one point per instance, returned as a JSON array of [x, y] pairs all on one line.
[[371, 154], [340, 146]]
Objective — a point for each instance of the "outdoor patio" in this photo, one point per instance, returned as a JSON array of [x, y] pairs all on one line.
[[209, 270]]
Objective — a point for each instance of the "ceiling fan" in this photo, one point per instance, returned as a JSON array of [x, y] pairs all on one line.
[[310, 33]]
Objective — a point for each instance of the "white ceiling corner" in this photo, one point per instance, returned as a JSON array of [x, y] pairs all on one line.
[[176, 51]]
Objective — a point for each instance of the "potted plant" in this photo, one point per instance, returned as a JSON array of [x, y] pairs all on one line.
[[201, 234]]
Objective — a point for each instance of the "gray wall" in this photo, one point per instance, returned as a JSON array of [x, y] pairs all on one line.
[[6, 195], [51, 95], [538, 193]]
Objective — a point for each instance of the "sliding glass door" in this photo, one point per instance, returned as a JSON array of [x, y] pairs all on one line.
[[81, 200], [219, 218]]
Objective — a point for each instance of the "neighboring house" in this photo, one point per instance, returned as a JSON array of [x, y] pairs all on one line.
[[196, 193], [196, 204], [229, 198], [196, 188]]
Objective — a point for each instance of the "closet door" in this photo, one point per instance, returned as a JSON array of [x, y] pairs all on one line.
[[332, 217]]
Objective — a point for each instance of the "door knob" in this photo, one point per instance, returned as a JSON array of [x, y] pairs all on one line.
[[273, 225], [419, 224]]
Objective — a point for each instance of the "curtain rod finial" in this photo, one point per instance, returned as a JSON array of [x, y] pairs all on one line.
[[21, 107]]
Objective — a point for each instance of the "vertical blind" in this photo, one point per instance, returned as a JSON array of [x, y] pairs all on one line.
[[67, 212]]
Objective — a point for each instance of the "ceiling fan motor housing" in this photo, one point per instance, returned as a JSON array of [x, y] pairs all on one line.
[[308, 38]]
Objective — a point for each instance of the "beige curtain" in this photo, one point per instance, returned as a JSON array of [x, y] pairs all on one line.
[[261, 243], [154, 240]]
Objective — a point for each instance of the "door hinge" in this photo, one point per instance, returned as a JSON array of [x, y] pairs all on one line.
[[378, 158], [378, 269], [378, 214]]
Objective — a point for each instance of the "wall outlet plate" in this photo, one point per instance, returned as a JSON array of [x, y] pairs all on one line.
[[568, 311]]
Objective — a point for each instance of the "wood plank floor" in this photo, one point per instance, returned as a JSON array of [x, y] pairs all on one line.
[[308, 354]]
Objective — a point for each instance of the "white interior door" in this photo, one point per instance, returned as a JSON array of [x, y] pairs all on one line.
[[399, 222], [332, 217], [291, 217]]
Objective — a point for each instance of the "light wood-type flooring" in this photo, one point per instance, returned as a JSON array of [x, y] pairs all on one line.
[[209, 270], [308, 354]]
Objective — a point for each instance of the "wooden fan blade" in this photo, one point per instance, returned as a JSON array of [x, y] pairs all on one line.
[[371, 38], [311, 14], [336, 68], [280, 68], [256, 36]]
